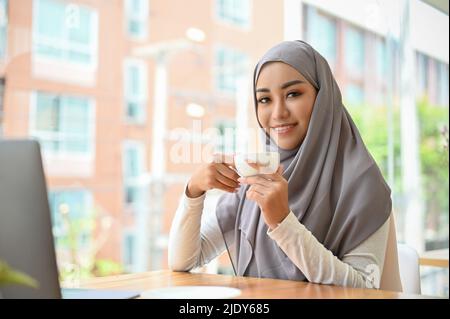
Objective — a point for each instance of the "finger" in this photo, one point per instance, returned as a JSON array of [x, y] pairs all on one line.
[[227, 159], [221, 186], [226, 181], [227, 172], [277, 176], [257, 179], [254, 195], [262, 190]]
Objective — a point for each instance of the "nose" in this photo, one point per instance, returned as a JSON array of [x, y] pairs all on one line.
[[280, 110]]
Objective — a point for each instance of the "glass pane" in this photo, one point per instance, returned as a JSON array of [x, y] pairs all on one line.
[[70, 203], [133, 81], [82, 57], [76, 124], [48, 109], [134, 110], [81, 31], [354, 94], [132, 162], [354, 51], [128, 253], [50, 51], [50, 19], [322, 34], [76, 115], [381, 59], [3, 25]]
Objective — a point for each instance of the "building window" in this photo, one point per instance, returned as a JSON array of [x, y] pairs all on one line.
[[381, 59], [65, 32], [137, 12], [135, 87], [442, 83], [71, 211], [320, 32], [133, 169], [354, 95], [354, 51], [2, 93], [236, 12], [128, 251], [64, 125], [229, 64], [226, 139], [422, 65], [3, 27]]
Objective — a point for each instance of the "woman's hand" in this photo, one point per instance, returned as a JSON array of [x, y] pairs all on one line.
[[216, 174], [270, 192]]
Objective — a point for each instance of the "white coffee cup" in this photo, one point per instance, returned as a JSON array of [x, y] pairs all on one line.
[[249, 164]]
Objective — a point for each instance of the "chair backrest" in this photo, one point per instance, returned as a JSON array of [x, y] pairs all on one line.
[[409, 269], [390, 277]]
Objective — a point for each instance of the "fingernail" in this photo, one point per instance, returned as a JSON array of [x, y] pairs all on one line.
[[241, 179]]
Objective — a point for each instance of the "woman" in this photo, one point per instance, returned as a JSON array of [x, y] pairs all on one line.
[[322, 217]]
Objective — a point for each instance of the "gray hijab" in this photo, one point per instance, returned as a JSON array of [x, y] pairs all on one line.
[[336, 189]]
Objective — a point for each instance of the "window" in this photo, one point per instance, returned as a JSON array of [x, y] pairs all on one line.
[[65, 32], [137, 12], [3, 26], [64, 125], [70, 210], [230, 64], [354, 94], [381, 59], [128, 251], [2, 93], [321, 34], [236, 12], [133, 168], [442, 83], [135, 87], [422, 65], [226, 139], [354, 51]]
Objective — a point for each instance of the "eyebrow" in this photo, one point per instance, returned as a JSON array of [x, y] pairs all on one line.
[[283, 86]]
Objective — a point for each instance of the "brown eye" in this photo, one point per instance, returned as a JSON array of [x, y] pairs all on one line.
[[263, 100], [293, 94]]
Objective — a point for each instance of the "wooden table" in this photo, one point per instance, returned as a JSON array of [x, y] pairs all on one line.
[[250, 287], [435, 258]]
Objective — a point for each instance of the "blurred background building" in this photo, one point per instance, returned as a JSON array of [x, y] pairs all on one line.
[[107, 86]]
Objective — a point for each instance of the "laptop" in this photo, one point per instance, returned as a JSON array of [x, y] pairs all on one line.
[[26, 240]]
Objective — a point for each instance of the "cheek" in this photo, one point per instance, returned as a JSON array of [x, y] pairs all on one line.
[[263, 116]]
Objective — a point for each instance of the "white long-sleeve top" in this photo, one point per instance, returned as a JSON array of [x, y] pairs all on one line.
[[195, 241]]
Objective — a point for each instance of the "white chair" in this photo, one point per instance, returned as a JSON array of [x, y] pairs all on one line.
[[408, 261]]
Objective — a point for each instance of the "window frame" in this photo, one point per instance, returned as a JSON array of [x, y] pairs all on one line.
[[230, 20], [65, 46], [64, 154], [235, 70], [3, 28], [88, 199], [133, 181], [142, 99], [141, 17]]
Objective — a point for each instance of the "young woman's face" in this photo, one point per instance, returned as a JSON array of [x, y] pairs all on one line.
[[285, 101]]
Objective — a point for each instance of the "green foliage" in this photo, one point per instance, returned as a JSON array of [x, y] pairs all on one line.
[[434, 157], [434, 162], [105, 267], [9, 276], [77, 244]]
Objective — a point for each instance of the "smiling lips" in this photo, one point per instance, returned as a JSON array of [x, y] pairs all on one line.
[[284, 129]]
